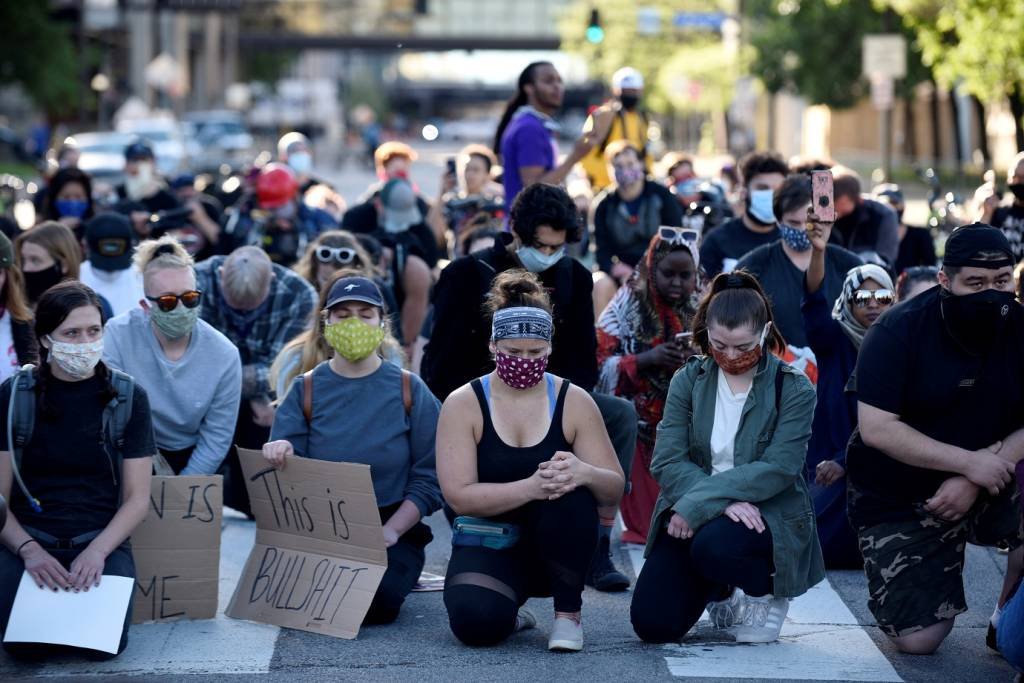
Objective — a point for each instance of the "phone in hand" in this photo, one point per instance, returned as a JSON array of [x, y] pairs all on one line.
[[822, 196]]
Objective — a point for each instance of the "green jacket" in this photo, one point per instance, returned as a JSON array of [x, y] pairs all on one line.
[[770, 450]]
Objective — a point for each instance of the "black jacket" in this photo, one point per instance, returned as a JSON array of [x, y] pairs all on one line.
[[458, 348]]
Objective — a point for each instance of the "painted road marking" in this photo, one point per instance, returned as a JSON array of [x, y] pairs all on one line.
[[221, 645]]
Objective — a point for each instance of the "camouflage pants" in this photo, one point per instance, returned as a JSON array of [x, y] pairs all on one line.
[[915, 566]]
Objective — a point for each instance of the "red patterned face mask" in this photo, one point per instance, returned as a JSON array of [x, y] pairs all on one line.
[[520, 373]]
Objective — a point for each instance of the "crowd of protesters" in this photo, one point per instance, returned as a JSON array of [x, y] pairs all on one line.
[[757, 393]]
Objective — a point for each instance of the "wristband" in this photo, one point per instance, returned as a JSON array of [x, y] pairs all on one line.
[[18, 551]]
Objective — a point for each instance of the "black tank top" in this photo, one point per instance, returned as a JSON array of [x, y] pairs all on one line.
[[499, 463]]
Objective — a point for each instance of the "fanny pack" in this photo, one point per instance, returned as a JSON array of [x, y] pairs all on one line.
[[475, 531]]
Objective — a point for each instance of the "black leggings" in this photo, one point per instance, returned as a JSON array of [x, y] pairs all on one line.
[[119, 563], [484, 588], [680, 577]]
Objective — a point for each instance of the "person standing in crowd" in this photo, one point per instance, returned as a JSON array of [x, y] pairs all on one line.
[[626, 217], [525, 451], [17, 342], [917, 248], [642, 339], [108, 269], [941, 427], [192, 371], [395, 416], [915, 280], [259, 306], [47, 254], [1009, 219], [733, 523], [143, 193], [543, 220], [466, 193], [780, 267], [621, 118], [80, 493], [835, 333], [864, 226], [525, 139], [69, 200], [721, 250]]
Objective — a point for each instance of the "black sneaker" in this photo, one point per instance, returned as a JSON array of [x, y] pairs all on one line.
[[602, 574]]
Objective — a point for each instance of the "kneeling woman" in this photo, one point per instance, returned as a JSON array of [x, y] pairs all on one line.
[[364, 410], [74, 509], [734, 522], [524, 459]]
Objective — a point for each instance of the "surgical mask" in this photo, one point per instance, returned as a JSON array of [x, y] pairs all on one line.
[[77, 360], [1018, 191], [795, 238], [629, 102], [520, 373], [353, 339], [71, 208], [536, 262], [41, 280], [176, 323], [975, 320], [300, 162], [627, 176], [140, 185], [759, 206], [743, 362]]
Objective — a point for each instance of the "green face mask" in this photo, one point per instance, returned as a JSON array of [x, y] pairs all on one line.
[[353, 339], [177, 323]]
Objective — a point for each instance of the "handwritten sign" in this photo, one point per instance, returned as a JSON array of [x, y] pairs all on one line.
[[177, 550], [319, 553]]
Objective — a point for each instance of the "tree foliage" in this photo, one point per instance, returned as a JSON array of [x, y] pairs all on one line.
[[39, 55]]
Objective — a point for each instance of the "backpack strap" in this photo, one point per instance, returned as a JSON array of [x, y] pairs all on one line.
[[307, 396], [407, 391]]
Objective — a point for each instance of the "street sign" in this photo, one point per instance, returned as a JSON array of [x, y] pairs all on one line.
[[885, 54]]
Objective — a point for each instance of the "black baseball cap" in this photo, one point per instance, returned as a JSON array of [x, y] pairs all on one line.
[[109, 236], [355, 289], [138, 150]]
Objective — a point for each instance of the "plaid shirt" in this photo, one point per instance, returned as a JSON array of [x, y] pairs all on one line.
[[284, 315]]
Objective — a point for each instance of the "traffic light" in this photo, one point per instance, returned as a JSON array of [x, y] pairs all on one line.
[[595, 34]]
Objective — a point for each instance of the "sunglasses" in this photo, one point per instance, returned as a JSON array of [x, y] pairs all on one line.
[[674, 235], [168, 302], [342, 255], [883, 297]]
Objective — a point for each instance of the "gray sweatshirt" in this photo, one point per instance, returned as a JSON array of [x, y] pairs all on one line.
[[194, 400], [363, 420]]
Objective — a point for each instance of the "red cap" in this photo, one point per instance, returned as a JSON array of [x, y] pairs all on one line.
[[275, 186]]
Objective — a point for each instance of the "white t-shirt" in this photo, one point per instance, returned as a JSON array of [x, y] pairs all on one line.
[[122, 288], [728, 409], [8, 354]]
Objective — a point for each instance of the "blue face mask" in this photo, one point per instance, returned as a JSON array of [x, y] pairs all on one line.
[[796, 238], [71, 208], [759, 205], [536, 262]]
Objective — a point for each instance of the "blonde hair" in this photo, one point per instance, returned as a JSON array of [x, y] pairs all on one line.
[[166, 253], [313, 347], [247, 272], [58, 241]]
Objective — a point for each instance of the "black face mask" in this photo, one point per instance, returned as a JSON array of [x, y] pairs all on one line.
[[629, 102], [976, 320], [1018, 191], [38, 282]]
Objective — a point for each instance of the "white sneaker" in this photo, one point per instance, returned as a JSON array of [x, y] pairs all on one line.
[[729, 612], [566, 635], [525, 620], [762, 619]]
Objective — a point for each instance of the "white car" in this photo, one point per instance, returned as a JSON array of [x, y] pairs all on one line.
[[166, 138]]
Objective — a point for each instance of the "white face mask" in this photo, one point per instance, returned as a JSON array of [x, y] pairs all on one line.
[[141, 184], [77, 360]]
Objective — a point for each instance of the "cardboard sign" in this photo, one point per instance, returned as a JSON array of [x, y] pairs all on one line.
[[319, 553], [177, 550]]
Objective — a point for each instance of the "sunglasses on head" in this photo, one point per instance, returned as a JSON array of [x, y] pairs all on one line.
[[674, 235], [168, 302], [883, 297], [342, 255]]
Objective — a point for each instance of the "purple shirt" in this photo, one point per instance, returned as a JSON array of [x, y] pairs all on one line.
[[525, 142]]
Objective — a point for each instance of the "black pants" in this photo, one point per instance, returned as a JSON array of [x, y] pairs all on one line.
[[484, 588], [248, 434], [680, 577], [405, 563], [119, 563]]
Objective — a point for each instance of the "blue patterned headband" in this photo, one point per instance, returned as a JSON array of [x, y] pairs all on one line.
[[521, 322]]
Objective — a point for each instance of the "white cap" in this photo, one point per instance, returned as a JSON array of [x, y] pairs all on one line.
[[627, 78]]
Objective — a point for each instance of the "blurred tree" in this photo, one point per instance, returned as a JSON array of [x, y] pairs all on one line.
[[39, 55]]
